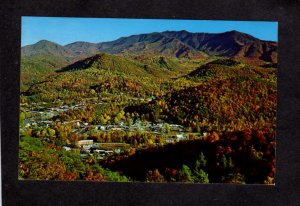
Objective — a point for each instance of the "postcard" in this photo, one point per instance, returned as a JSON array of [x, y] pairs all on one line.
[[148, 100]]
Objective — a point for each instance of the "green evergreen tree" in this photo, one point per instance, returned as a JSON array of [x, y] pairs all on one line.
[[199, 174], [201, 161], [185, 174]]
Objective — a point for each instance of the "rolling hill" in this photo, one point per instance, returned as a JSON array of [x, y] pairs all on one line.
[[158, 66], [228, 67]]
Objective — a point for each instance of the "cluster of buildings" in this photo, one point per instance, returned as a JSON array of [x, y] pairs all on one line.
[[89, 148], [138, 125]]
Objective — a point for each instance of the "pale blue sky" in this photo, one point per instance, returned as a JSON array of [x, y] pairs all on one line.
[[65, 30]]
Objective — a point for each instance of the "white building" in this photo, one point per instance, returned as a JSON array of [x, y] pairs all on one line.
[[85, 144], [67, 148]]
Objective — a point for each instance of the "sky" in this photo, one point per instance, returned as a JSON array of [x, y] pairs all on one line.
[[65, 30]]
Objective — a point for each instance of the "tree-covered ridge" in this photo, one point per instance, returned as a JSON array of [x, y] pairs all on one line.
[[239, 98], [143, 74], [140, 65]]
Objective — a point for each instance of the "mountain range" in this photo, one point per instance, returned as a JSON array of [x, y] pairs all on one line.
[[231, 44]]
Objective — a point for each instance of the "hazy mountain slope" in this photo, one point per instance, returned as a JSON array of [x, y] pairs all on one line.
[[230, 44], [152, 43]]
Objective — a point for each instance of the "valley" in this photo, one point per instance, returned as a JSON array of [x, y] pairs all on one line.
[[159, 107]]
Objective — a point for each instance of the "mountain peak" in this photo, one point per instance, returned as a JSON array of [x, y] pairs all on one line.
[[183, 31], [44, 41], [79, 42], [177, 32], [45, 47], [234, 32], [239, 34]]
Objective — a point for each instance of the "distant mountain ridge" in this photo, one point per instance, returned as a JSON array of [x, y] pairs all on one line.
[[232, 44]]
